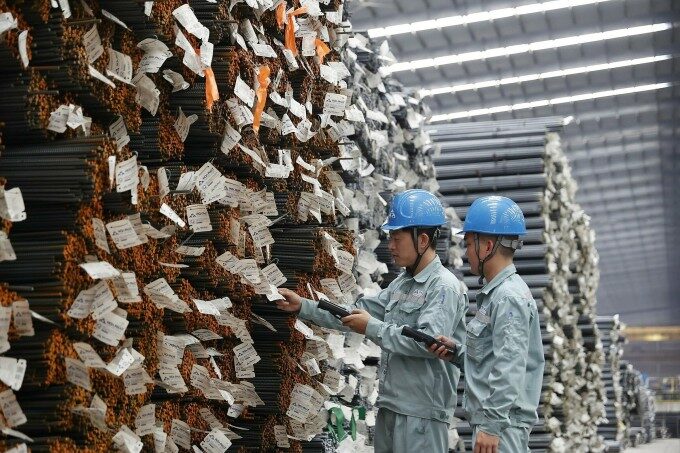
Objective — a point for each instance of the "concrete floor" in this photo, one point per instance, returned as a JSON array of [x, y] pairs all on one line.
[[659, 446]]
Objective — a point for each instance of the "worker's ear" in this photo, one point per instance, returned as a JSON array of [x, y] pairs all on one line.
[[423, 242]]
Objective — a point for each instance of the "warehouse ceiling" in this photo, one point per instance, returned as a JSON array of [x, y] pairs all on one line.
[[612, 68]]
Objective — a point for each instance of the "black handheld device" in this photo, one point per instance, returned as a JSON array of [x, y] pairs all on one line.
[[424, 338], [334, 309]]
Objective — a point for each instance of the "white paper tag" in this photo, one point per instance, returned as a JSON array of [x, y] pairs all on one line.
[[334, 104], [110, 329], [76, 373], [121, 362], [215, 442], [123, 234], [230, 139], [114, 19], [180, 431], [88, 355], [23, 48], [12, 372], [172, 215], [244, 92], [155, 54], [120, 66], [11, 410], [93, 44], [183, 123], [23, 323]]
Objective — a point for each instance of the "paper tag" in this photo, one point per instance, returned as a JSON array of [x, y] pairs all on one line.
[[215, 442], [198, 218], [82, 305], [93, 44], [103, 301], [110, 329], [23, 324], [76, 373], [127, 441], [172, 215], [148, 96], [185, 16], [230, 139], [281, 436], [261, 235], [123, 234], [127, 177], [176, 80], [244, 92], [334, 104], [180, 431], [155, 54], [12, 372], [100, 269], [7, 22], [263, 50], [88, 355], [246, 354], [12, 205], [113, 19], [121, 362], [120, 66], [11, 410], [126, 288], [183, 123], [345, 261]]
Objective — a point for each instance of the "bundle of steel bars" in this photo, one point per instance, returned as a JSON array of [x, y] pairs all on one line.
[[523, 160], [179, 161]]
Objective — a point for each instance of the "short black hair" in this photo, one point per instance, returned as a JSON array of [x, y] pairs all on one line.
[[432, 234]]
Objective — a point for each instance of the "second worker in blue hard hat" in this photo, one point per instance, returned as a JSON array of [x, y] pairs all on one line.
[[504, 351], [417, 392]]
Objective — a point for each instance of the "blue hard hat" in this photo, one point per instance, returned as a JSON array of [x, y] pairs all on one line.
[[414, 208], [495, 215]]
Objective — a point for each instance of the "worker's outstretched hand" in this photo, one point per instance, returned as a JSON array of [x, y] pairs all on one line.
[[357, 321], [486, 443], [292, 303], [441, 351]]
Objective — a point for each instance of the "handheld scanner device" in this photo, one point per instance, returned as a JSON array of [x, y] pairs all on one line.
[[424, 338], [334, 309]]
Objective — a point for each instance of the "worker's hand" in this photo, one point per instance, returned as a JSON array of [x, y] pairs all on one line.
[[357, 321], [486, 443], [440, 351], [292, 303]]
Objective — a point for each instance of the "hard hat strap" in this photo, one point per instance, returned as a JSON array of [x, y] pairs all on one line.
[[480, 261], [411, 269]]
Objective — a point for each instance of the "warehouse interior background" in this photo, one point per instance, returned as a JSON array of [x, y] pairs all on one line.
[[569, 106], [612, 68]]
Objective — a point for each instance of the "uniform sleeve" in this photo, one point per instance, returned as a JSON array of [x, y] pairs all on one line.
[[437, 317], [460, 332], [511, 322], [374, 305]]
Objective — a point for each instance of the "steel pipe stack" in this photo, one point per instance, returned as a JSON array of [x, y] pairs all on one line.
[[522, 159], [614, 428], [179, 161]]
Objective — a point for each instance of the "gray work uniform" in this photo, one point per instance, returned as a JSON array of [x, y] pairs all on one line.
[[417, 391], [504, 362]]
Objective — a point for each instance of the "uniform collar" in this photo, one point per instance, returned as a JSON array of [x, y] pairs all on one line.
[[498, 279], [423, 275]]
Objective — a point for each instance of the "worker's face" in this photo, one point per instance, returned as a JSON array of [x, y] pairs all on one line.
[[485, 247], [401, 248]]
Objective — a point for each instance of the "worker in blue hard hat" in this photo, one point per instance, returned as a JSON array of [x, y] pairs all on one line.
[[417, 392], [504, 352]]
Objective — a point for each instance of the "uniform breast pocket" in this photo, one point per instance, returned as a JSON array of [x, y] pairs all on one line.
[[407, 313], [478, 341]]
